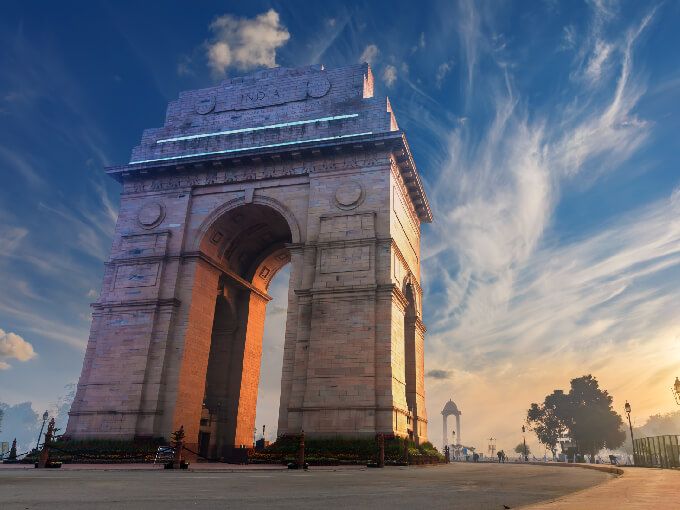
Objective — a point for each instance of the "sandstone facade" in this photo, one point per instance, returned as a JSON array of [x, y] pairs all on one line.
[[301, 166]]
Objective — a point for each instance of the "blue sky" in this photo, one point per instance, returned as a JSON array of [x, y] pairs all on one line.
[[546, 134]]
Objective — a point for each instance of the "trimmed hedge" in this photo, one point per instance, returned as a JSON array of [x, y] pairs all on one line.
[[334, 451]]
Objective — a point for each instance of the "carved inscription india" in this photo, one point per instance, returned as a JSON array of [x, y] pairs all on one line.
[[256, 96]]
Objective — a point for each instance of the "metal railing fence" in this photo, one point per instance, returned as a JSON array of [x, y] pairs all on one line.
[[658, 451]]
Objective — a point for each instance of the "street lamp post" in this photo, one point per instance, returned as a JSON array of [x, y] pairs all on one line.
[[676, 390], [45, 415], [524, 440], [632, 439]]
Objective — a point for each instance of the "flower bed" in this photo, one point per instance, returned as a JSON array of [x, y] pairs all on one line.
[[338, 451], [101, 451]]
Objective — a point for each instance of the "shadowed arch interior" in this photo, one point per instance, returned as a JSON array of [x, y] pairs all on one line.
[[248, 244]]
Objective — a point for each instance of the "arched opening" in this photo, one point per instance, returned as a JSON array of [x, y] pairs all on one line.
[[271, 366], [248, 245]]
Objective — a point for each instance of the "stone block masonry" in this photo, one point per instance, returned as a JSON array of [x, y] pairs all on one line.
[[301, 166]]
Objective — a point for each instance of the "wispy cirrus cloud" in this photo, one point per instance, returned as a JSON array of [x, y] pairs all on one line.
[[519, 309], [442, 71]]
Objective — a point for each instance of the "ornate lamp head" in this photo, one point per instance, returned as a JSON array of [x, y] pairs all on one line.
[[676, 390]]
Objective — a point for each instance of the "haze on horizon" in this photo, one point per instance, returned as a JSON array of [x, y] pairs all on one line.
[[545, 134]]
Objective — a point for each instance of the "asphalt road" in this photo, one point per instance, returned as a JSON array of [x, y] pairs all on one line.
[[459, 486]]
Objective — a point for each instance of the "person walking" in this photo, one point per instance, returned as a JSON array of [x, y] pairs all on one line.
[[500, 455]]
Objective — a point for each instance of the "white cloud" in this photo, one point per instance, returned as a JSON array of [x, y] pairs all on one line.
[[22, 164], [421, 43], [184, 66], [11, 238], [597, 60], [471, 37], [390, 75], [370, 53], [13, 346], [569, 37], [246, 43], [442, 71]]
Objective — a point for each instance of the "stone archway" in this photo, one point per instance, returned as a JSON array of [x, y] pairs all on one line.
[[248, 243], [301, 166]]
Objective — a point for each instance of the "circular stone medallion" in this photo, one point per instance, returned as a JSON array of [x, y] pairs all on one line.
[[205, 105], [151, 214], [349, 195], [318, 87]]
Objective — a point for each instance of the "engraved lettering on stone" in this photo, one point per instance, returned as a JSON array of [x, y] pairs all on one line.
[[137, 275], [245, 97], [128, 319], [141, 245]]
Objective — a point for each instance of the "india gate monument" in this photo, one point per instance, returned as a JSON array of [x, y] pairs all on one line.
[[287, 166]]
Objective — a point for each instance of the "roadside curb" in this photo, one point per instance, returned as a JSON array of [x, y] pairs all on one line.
[[598, 467]]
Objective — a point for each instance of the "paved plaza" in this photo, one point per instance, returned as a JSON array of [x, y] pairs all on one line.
[[460, 486]]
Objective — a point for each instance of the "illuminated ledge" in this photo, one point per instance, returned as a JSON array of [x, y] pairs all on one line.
[[259, 128], [394, 141], [240, 149]]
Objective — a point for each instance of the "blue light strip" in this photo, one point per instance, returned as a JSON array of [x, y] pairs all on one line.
[[226, 151], [247, 130]]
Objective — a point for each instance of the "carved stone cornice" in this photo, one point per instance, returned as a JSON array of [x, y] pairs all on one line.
[[149, 303]]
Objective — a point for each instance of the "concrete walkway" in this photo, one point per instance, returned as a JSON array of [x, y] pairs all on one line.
[[465, 486], [637, 488], [195, 466], [470, 486]]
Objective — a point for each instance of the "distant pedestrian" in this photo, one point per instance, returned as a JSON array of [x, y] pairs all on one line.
[[500, 455]]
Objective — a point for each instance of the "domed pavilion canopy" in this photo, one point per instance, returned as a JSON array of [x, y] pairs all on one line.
[[451, 408]]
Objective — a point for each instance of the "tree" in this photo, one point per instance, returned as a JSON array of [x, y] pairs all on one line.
[[593, 422], [13, 450], [546, 420], [585, 412], [520, 449]]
